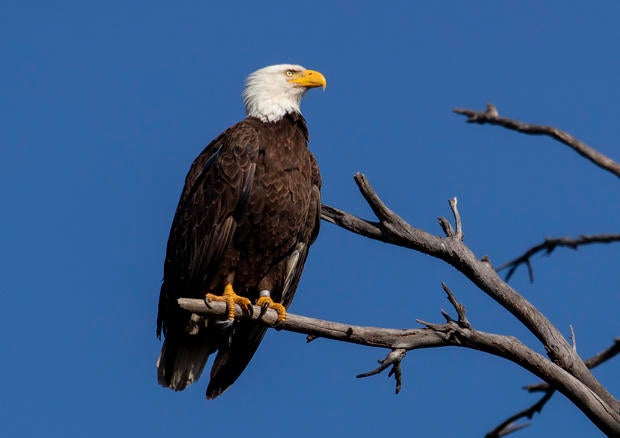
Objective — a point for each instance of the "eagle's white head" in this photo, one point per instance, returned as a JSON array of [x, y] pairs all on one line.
[[272, 92]]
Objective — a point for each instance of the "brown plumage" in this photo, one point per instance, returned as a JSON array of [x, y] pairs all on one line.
[[249, 210]]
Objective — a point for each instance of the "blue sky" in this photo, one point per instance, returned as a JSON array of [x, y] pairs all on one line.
[[105, 105]]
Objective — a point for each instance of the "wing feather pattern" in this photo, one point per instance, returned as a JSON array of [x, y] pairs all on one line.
[[216, 189]]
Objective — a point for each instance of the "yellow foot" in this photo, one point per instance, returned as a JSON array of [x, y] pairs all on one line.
[[231, 298], [267, 303]]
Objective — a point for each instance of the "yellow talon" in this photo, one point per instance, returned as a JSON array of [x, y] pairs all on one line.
[[231, 298], [267, 301]]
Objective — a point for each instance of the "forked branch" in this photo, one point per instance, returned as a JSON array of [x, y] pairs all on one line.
[[549, 245], [492, 117], [394, 358], [509, 425], [391, 228]]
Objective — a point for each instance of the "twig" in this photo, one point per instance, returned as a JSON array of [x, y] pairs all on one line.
[[549, 245], [393, 358], [446, 226], [457, 218], [454, 330], [491, 117], [460, 308], [352, 223], [509, 425]]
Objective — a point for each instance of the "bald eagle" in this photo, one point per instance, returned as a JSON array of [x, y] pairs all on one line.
[[248, 213]]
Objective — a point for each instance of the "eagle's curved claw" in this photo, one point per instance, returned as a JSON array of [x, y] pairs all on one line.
[[267, 303], [263, 309], [231, 298]]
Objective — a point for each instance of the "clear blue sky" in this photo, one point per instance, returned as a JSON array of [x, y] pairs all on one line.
[[105, 104]]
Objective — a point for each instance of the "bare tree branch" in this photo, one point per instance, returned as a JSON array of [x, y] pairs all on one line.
[[573, 338], [457, 219], [491, 116], [509, 426], [434, 335], [393, 358], [549, 245], [391, 228], [460, 309]]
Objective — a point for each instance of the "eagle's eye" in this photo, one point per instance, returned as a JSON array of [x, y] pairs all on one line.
[[289, 73]]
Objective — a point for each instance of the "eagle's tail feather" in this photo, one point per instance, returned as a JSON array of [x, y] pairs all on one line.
[[231, 361], [181, 361]]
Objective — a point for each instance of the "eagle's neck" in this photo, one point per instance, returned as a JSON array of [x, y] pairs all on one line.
[[271, 104], [272, 111]]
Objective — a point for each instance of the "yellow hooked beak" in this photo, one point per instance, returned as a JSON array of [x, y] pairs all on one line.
[[309, 79]]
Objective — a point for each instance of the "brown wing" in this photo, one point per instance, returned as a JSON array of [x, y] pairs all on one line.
[[216, 189], [298, 259]]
